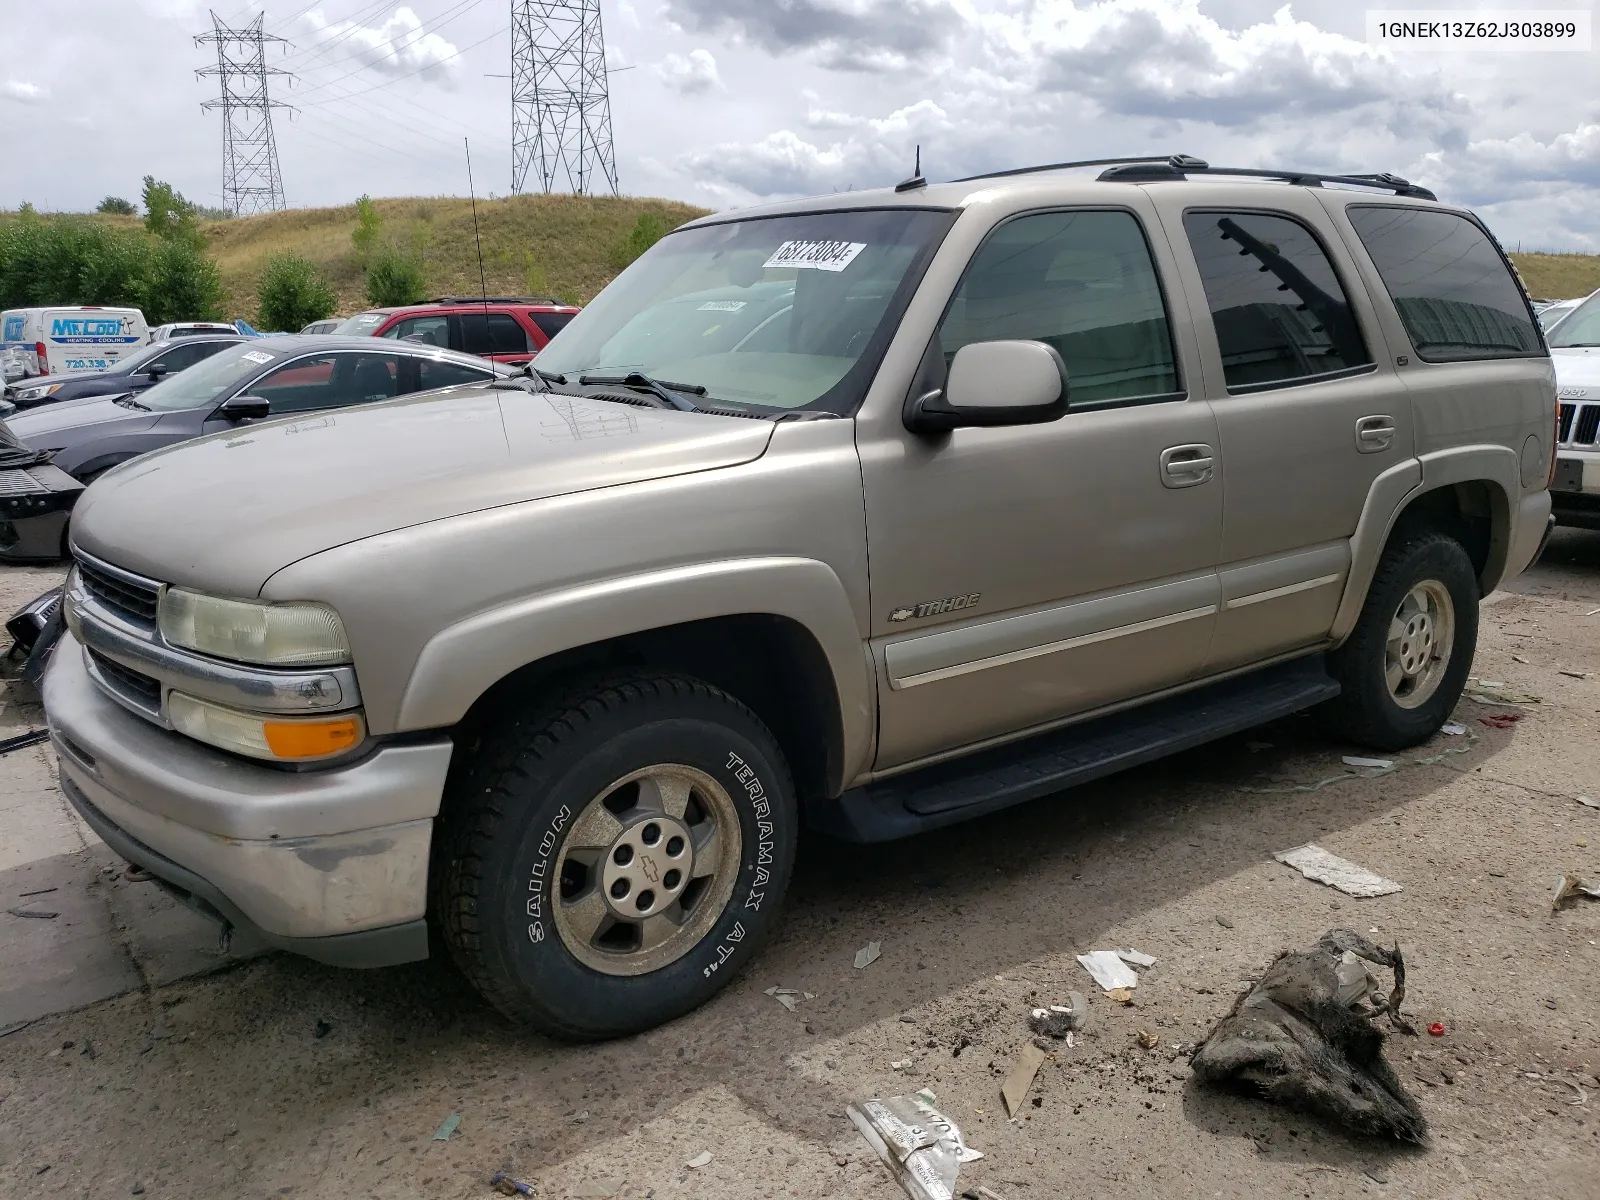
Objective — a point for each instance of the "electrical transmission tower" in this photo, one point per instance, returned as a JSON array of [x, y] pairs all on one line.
[[560, 107], [250, 179]]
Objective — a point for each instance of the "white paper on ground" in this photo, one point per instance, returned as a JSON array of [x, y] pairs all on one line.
[[1453, 728], [1382, 764], [868, 955], [1315, 863], [1135, 958], [1109, 971]]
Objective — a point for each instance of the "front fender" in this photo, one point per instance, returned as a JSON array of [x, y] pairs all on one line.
[[463, 660]]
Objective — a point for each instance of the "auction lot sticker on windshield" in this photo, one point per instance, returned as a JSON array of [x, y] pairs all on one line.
[[256, 356], [816, 256]]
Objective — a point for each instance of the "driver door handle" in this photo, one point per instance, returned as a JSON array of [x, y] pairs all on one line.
[[1187, 466]]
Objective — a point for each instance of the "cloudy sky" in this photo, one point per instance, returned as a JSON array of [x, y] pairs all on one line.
[[723, 102]]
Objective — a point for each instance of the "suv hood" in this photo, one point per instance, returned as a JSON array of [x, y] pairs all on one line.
[[1577, 367], [224, 512]]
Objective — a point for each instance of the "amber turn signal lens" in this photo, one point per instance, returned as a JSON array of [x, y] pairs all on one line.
[[311, 739]]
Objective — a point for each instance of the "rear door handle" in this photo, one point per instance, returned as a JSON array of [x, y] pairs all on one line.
[[1374, 434], [1186, 466]]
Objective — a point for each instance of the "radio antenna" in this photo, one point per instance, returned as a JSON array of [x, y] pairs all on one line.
[[483, 286]]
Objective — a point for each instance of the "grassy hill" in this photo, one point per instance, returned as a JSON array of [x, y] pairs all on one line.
[[567, 241]]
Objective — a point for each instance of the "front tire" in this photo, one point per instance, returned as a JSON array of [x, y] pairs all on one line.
[[1404, 666], [610, 861]]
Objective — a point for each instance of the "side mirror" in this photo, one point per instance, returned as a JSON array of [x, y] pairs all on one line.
[[994, 383], [157, 370], [244, 408]]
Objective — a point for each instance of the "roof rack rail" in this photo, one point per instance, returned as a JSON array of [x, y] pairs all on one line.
[[1181, 166], [1158, 167], [494, 300]]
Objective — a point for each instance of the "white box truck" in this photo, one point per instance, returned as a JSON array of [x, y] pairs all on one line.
[[67, 340]]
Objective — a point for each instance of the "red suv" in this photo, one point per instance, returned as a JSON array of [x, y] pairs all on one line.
[[508, 329]]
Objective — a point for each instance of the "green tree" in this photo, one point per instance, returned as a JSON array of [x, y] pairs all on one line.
[[183, 285], [117, 206], [369, 226], [395, 278], [168, 215], [646, 232], [292, 293]]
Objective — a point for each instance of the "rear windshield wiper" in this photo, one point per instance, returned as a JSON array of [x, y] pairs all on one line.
[[662, 390], [130, 402]]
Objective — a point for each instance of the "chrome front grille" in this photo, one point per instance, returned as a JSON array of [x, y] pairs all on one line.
[[1564, 429], [131, 596], [137, 689]]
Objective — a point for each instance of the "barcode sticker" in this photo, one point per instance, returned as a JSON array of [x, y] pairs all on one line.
[[722, 306], [816, 255], [256, 356]]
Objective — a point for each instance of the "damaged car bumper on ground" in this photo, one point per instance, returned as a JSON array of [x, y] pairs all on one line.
[[331, 864], [35, 504]]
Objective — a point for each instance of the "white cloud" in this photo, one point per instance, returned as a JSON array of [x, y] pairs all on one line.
[[23, 92], [399, 46], [693, 74], [858, 35]]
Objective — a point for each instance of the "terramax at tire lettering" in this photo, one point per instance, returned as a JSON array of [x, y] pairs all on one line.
[[611, 860]]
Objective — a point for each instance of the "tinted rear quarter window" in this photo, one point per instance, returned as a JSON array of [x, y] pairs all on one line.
[[1280, 312], [492, 333], [551, 324], [1454, 292]]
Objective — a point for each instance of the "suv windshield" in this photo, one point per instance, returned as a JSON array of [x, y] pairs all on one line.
[[1580, 327], [774, 312], [204, 382], [360, 325]]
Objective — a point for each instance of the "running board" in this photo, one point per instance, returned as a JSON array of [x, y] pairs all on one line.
[[990, 780]]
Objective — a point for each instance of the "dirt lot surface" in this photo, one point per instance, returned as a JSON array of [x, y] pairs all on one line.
[[280, 1077]]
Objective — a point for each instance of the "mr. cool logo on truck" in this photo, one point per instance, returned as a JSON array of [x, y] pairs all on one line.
[[78, 330]]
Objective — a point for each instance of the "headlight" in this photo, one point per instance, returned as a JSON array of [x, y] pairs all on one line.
[[38, 392], [273, 635], [275, 738]]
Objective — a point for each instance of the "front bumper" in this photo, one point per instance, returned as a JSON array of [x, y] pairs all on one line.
[[35, 504], [1575, 489], [332, 864]]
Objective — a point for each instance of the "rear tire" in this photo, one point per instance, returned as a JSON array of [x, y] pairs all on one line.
[[609, 861], [1405, 664]]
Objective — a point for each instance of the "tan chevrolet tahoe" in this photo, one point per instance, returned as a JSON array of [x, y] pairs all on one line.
[[874, 513]]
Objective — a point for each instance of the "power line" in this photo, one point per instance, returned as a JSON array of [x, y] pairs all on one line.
[[460, 10], [251, 181], [560, 103]]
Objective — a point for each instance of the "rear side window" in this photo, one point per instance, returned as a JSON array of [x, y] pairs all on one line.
[[1450, 283], [433, 374], [492, 333], [1082, 282], [1281, 314], [430, 331], [551, 324]]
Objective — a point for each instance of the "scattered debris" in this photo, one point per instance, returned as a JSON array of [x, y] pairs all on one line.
[[1436, 1029], [597, 1189], [1500, 720], [1375, 1173], [1020, 1079], [1120, 995], [1109, 971], [1453, 728], [321, 1030], [36, 914], [921, 1147], [789, 997], [703, 1159], [1135, 958], [868, 955], [1292, 1040], [1574, 674], [136, 874], [1493, 691], [32, 738], [1317, 864], [1588, 803], [1519, 658], [36, 892], [1224, 921], [1382, 764], [448, 1130], [1147, 1039], [1058, 1020], [1570, 887], [507, 1186]]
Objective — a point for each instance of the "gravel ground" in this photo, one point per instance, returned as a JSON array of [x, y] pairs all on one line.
[[282, 1077]]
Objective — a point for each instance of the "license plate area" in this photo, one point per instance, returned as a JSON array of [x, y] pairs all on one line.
[[1569, 475]]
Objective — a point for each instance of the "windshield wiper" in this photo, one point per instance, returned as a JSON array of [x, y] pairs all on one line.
[[130, 402], [662, 390]]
